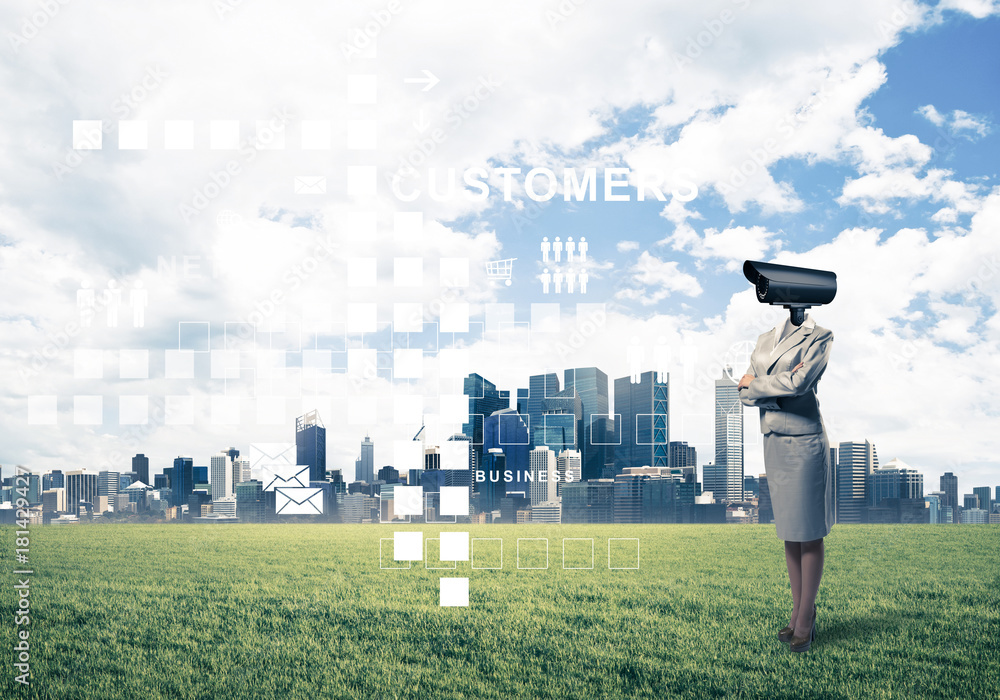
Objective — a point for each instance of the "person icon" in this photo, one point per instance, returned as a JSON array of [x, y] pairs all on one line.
[[661, 359], [584, 278], [583, 247], [633, 354], [546, 279], [570, 279], [557, 248], [86, 301], [113, 299], [546, 247], [558, 279], [138, 298], [570, 249]]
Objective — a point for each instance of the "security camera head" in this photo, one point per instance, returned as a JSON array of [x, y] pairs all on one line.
[[795, 288]]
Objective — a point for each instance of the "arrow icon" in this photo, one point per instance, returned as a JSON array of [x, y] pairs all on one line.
[[421, 124], [429, 78]]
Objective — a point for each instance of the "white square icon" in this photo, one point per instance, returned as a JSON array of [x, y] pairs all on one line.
[[407, 546], [268, 138], [453, 363], [88, 410], [361, 134], [362, 89], [361, 180], [133, 135], [88, 363], [454, 500], [454, 408], [407, 454], [362, 410], [408, 500], [178, 364], [362, 272], [178, 410], [87, 134], [454, 592], [362, 317], [133, 364], [407, 317], [454, 272], [455, 453], [315, 135], [224, 135], [408, 409], [133, 410], [407, 224], [454, 546], [455, 317], [178, 135], [408, 272], [42, 410], [408, 363]]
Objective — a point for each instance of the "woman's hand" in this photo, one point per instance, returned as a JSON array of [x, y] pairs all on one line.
[[797, 367], [745, 381]]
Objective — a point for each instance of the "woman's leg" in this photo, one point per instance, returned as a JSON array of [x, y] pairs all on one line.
[[812, 572], [793, 560]]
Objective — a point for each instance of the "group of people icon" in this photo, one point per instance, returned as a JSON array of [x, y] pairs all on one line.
[[552, 252], [556, 248], [88, 301], [554, 281]]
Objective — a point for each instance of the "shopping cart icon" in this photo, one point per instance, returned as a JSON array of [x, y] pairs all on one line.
[[500, 270]]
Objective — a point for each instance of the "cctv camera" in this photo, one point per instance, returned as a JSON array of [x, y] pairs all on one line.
[[795, 288]]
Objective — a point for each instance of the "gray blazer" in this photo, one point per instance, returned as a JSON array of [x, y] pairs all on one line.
[[787, 400]]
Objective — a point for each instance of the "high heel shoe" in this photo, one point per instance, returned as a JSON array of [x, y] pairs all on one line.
[[785, 634], [800, 644]]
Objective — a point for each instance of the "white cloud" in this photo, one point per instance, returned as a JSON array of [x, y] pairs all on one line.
[[626, 246], [977, 8], [959, 122], [658, 279]]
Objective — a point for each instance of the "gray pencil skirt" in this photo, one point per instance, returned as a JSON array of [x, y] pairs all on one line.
[[800, 479]]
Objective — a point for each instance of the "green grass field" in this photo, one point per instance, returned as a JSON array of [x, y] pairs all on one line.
[[304, 611]]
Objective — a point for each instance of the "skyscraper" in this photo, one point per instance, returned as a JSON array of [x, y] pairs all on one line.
[[949, 485], [765, 512], [543, 464], [241, 469], [683, 455], [984, 497], [108, 483], [484, 399], [855, 463], [894, 479], [364, 467], [596, 432], [540, 387], [310, 445], [250, 501], [140, 465], [182, 480], [221, 476], [506, 430], [644, 430], [81, 486], [729, 437], [570, 466]]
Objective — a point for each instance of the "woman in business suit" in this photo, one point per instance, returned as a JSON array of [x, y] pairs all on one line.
[[785, 367]]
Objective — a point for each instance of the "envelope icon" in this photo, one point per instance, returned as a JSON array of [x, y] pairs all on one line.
[[310, 184], [276, 476], [296, 501], [270, 453]]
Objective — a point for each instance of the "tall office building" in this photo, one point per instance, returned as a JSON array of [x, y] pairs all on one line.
[[596, 434], [221, 476], [493, 488], [562, 421], [140, 465], [108, 483], [714, 479], [250, 501], [765, 511], [56, 480], [628, 497], [506, 430], [729, 437], [855, 463], [241, 470], [984, 497], [569, 463], [34, 490], [933, 502], [949, 485], [644, 431], [543, 465], [683, 455], [310, 445], [364, 466], [540, 387], [484, 399], [589, 501], [182, 480], [81, 486]]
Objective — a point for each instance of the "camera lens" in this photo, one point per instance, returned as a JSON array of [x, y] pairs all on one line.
[[761, 287]]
